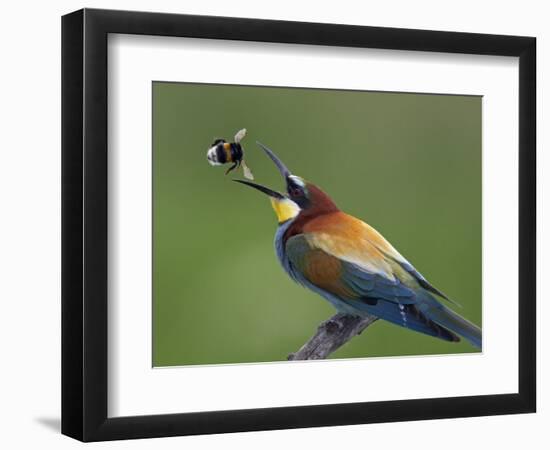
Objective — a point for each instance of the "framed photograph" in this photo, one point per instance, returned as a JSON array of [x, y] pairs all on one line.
[[273, 224]]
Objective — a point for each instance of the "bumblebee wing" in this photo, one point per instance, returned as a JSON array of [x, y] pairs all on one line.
[[239, 136], [246, 171]]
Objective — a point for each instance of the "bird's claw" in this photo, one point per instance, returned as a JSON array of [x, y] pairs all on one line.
[[331, 326]]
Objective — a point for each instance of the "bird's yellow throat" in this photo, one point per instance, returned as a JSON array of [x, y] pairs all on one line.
[[285, 209]]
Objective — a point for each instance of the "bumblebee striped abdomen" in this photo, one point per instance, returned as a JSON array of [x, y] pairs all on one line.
[[223, 152]]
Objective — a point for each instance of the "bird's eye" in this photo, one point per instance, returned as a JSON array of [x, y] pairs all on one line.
[[295, 192]]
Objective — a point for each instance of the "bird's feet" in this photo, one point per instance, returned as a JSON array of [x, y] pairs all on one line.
[[331, 325]]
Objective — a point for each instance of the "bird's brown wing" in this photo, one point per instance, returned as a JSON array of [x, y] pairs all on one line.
[[343, 278], [362, 291]]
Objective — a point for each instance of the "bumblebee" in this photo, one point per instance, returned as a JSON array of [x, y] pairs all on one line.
[[222, 152]]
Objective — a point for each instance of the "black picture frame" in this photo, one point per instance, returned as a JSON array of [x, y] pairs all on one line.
[[84, 224]]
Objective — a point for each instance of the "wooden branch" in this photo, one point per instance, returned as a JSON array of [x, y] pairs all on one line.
[[331, 335]]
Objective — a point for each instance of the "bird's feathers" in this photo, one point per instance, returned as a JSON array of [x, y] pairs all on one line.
[[352, 240], [342, 277], [353, 266], [449, 319]]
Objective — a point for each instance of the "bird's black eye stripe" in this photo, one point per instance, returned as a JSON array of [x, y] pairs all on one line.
[[294, 190]]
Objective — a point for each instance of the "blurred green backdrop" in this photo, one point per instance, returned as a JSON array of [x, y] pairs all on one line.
[[408, 164]]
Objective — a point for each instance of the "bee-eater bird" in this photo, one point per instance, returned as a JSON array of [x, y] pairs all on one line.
[[351, 265]]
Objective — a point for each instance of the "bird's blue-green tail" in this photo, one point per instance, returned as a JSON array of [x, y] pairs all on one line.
[[447, 318]]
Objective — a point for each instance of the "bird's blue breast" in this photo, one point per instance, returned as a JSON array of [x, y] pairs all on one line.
[[298, 277], [280, 249]]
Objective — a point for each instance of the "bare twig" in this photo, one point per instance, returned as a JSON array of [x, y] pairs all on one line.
[[331, 335]]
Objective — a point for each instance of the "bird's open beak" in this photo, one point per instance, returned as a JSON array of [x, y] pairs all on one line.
[[265, 190], [282, 168], [284, 207]]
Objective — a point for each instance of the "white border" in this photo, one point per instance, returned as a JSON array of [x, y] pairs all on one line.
[[135, 388]]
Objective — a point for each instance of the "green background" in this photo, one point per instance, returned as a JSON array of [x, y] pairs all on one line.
[[407, 164]]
